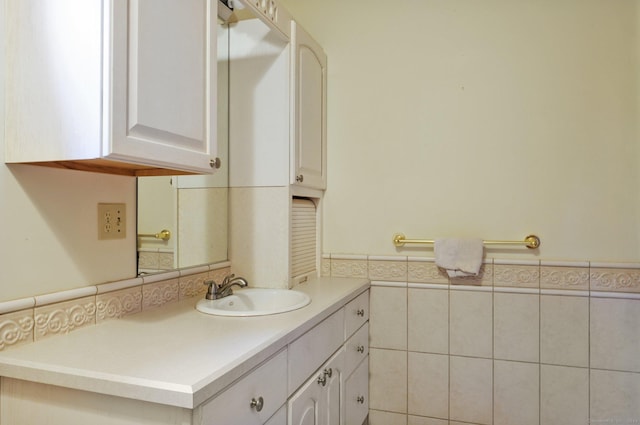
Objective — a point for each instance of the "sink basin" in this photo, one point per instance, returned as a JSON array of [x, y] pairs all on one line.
[[255, 302]]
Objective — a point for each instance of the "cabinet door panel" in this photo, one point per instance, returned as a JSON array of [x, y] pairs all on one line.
[[304, 405], [164, 81], [309, 65], [357, 394]]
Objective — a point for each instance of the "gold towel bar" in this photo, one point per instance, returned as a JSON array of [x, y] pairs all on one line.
[[164, 234], [531, 241]]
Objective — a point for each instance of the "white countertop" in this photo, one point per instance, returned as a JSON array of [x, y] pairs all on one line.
[[172, 355]]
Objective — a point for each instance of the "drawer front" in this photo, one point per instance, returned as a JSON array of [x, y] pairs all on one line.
[[308, 352], [356, 313], [357, 348], [357, 394], [264, 385], [279, 418]]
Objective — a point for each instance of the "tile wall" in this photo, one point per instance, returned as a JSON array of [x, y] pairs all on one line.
[[524, 343]]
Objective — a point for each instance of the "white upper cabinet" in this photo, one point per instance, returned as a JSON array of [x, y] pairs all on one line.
[[309, 106], [277, 101], [127, 87]]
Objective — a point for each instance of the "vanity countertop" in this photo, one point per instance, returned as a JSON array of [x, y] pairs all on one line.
[[172, 355]]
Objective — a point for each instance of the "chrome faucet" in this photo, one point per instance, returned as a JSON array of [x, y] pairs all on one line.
[[216, 291]]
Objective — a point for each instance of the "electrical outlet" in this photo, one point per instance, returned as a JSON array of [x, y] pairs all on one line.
[[112, 223]]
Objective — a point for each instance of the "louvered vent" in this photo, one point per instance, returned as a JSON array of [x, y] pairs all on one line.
[[303, 237]]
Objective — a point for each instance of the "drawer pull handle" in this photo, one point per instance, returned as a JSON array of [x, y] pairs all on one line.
[[328, 372], [322, 380], [360, 312], [257, 404], [360, 399], [360, 348]]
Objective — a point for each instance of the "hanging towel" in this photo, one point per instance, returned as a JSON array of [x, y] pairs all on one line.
[[459, 257]]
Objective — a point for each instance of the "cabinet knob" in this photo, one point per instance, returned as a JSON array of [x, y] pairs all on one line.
[[360, 399], [328, 372], [360, 348], [360, 312], [322, 380], [257, 404], [215, 163], [300, 178]]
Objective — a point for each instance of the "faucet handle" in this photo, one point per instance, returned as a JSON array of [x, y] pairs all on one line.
[[212, 289], [227, 278]]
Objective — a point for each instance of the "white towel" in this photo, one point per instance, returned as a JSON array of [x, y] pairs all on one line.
[[459, 257]]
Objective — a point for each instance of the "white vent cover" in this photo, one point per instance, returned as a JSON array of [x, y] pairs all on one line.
[[303, 237]]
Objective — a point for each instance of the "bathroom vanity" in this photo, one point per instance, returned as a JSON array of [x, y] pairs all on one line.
[[175, 365]]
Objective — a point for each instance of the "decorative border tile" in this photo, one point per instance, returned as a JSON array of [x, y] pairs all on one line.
[[16, 328], [193, 285], [527, 276], [349, 268], [218, 276], [552, 277], [165, 261], [615, 280], [395, 271], [117, 304], [484, 278], [325, 267], [160, 293], [64, 317], [423, 271], [148, 260]]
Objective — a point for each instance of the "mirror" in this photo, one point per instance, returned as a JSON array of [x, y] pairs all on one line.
[[193, 210]]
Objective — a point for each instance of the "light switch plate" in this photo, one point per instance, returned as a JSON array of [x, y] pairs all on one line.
[[112, 223]]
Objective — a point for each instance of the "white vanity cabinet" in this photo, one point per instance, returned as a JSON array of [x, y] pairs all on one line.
[[253, 399], [337, 392], [309, 110], [125, 87], [316, 375]]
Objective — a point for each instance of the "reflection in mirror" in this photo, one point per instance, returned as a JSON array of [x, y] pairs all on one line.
[[192, 208]]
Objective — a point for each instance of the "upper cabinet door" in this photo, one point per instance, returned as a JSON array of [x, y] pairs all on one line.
[[164, 83], [309, 93], [119, 86]]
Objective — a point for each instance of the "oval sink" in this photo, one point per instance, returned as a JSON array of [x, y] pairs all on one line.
[[255, 302]]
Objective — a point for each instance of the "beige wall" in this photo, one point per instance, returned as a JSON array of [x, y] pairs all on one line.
[[49, 225], [491, 119]]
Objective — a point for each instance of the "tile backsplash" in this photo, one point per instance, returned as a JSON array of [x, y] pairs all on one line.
[[524, 342], [28, 320]]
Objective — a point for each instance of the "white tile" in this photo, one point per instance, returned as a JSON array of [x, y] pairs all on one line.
[[377, 417], [615, 334], [388, 380], [564, 395], [471, 390], [428, 317], [564, 330], [421, 420], [388, 318], [516, 393], [471, 323], [615, 397], [428, 385], [515, 327]]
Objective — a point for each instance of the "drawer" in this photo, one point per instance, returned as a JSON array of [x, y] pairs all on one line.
[[308, 352], [264, 384], [357, 394], [279, 418], [357, 348], [356, 313]]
